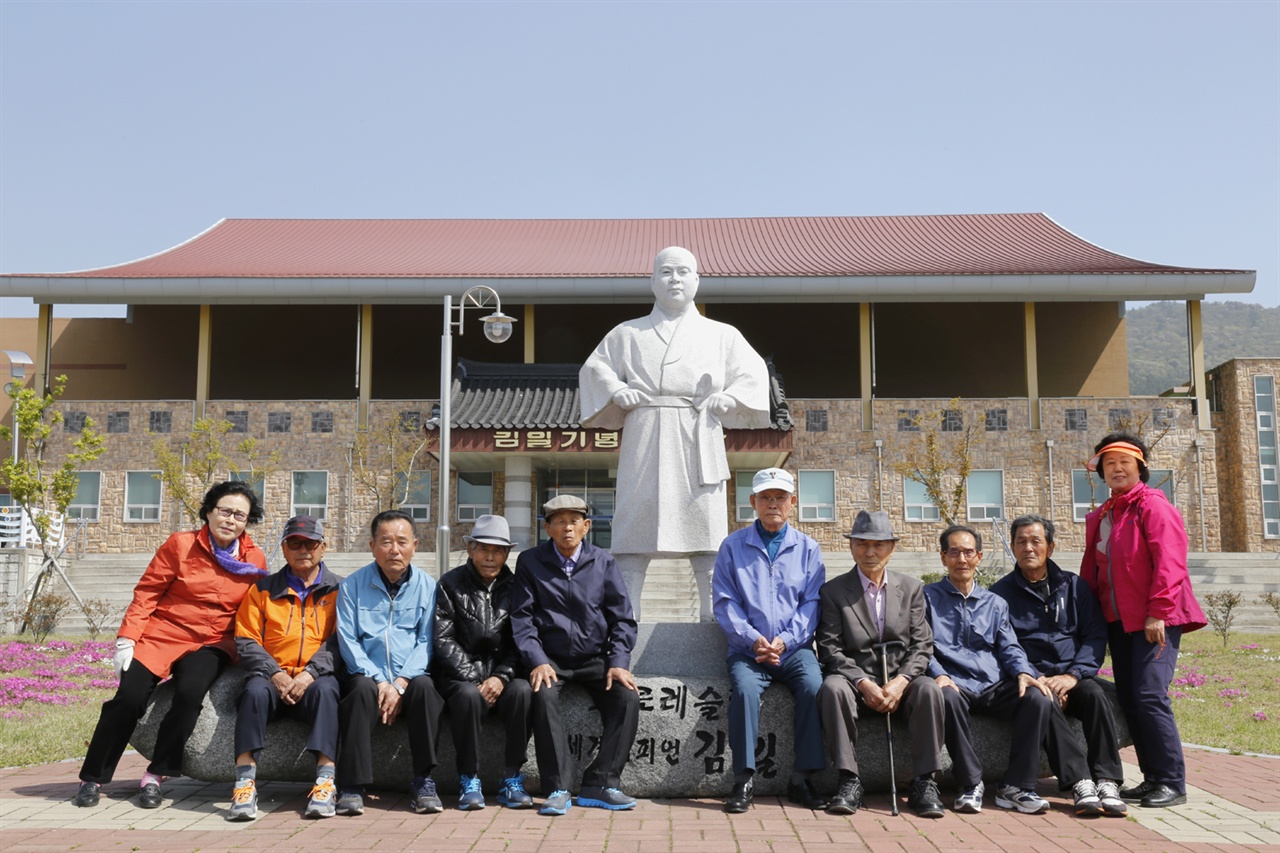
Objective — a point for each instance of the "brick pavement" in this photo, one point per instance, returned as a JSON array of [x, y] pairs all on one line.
[[1235, 806]]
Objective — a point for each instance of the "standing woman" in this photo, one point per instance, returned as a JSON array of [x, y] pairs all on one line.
[[181, 624], [1135, 560]]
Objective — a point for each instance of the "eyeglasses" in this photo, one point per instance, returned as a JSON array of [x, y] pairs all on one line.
[[957, 553], [302, 544], [231, 513]]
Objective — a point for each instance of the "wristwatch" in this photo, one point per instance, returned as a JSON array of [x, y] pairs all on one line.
[[396, 685]]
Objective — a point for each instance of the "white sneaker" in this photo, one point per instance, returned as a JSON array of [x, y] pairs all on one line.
[[970, 799], [1027, 802], [1087, 801]]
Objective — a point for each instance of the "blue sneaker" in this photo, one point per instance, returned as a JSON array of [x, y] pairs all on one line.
[[470, 795], [425, 799], [513, 795], [597, 797], [557, 803]]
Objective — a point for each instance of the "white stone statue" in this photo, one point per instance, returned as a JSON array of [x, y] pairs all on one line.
[[671, 381]]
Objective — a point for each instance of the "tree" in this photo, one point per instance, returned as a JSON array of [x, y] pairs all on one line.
[[385, 456], [939, 456], [43, 486], [201, 460]]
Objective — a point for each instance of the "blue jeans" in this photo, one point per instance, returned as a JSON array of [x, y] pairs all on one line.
[[802, 676]]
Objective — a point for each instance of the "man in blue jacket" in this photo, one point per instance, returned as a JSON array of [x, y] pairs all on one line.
[[571, 619], [765, 594], [385, 634], [1060, 627], [982, 670]]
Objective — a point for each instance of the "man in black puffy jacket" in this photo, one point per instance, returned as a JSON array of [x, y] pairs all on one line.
[[476, 660]]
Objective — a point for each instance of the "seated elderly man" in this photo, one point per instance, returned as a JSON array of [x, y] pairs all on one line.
[[1060, 626], [982, 670], [873, 622], [476, 662], [284, 636], [571, 619]]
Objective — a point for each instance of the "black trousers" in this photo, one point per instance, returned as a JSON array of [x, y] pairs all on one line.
[[1037, 721], [358, 714], [193, 675], [260, 702], [620, 718], [1088, 703], [467, 709]]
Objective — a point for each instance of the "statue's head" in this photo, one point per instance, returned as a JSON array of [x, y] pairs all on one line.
[[675, 279]]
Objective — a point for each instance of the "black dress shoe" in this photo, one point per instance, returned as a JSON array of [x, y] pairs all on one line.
[[87, 796], [1162, 796], [740, 800], [848, 798], [802, 794], [1137, 792], [150, 798], [925, 799]]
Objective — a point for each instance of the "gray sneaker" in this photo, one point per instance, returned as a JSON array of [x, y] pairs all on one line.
[[244, 801], [597, 797], [1027, 802], [323, 799], [1086, 798], [425, 799], [350, 801], [1109, 797], [556, 803], [970, 799]]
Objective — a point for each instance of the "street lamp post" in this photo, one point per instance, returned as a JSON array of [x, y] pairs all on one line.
[[497, 328]]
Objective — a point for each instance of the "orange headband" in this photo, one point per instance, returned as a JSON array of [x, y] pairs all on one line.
[[1117, 447]]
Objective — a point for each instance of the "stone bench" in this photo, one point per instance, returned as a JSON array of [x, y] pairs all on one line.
[[681, 750]]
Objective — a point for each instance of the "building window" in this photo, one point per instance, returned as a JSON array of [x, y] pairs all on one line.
[[986, 495], [997, 420], [475, 494], [916, 503], [908, 420], [74, 421], [1162, 418], [952, 420], [742, 495], [1264, 402], [258, 484], [321, 422], [410, 421], [1118, 419], [239, 420], [279, 421], [815, 420], [117, 422], [141, 496], [160, 423], [817, 493], [1162, 479], [88, 496], [416, 497], [310, 493], [1076, 420], [1088, 492]]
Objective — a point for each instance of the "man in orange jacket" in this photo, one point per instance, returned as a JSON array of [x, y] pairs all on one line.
[[284, 635]]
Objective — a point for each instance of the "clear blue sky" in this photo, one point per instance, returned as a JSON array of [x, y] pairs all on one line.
[[1150, 128]]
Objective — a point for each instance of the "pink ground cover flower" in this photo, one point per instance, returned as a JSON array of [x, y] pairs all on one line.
[[1260, 716], [1194, 678], [54, 674]]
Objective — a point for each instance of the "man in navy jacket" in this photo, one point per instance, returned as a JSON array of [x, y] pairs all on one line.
[[1060, 627], [571, 619]]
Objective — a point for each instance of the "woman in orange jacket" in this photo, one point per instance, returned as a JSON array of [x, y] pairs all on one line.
[[181, 624]]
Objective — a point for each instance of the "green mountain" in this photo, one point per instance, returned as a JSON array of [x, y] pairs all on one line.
[[1158, 340]]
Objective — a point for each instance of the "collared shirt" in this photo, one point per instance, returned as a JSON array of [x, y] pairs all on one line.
[[973, 639], [876, 596], [300, 586], [570, 562], [394, 588]]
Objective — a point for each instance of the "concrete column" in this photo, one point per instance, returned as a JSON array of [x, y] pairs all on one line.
[[518, 500], [1029, 362], [204, 344], [528, 334], [44, 350], [364, 365], [865, 355], [1195, 345]]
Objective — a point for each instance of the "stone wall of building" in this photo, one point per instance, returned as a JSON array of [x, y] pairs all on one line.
[[1235, 420]]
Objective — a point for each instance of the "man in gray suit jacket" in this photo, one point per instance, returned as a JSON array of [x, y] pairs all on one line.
[[862, 609]]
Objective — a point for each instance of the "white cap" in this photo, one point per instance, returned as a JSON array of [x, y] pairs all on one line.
[[773, 478]]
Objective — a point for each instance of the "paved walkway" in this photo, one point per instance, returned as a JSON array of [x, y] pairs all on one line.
[[1234, 806]]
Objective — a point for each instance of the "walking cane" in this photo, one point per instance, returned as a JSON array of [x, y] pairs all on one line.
[[882, 649]]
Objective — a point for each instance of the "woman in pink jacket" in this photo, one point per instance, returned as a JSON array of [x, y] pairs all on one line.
[[180, 625], [1135, 560]]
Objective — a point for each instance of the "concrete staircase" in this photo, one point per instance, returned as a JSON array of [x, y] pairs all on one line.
[[670, 592]]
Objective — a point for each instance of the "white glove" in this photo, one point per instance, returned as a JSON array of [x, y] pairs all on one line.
[[123, 657]]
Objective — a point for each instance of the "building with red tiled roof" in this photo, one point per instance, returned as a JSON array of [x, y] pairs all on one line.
[[303, 333]]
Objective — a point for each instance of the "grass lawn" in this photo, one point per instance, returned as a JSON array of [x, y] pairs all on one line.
[[50, 694]]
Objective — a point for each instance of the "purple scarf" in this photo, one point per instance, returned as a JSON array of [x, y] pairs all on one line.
[[231, 564]]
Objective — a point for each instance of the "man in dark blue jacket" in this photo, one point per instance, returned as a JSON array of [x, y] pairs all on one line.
[[571, 619], [1060, 627]]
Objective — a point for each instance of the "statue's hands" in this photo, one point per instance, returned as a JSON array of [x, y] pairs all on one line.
[[629, 398], [719, 403]]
